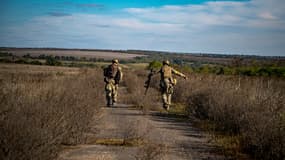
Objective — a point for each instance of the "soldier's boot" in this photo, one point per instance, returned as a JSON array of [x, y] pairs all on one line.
[[166, 107], [114, 100], [109, 102]]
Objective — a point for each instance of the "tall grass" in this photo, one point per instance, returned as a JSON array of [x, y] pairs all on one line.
[[136, 94], [249, 107], [40, 111]]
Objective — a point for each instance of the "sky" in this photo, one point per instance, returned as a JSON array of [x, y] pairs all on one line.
[[255, 27]]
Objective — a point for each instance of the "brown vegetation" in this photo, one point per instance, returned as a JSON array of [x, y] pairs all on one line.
[[251, 110], [42, 110], [134, 82], [247, 107], [152, 151]]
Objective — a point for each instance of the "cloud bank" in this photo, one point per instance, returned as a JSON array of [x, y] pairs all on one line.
[[252, 27]]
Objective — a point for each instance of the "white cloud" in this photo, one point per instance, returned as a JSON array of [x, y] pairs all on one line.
[[256, 26], [267, 15], [216, 13]]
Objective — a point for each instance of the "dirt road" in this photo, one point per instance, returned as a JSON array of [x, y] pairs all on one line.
[[153, 136]]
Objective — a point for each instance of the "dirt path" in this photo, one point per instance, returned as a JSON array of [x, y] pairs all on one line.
[[162, 136]]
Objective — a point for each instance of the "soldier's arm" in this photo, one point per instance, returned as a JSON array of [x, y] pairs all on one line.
[[178, 73], [121, 73], [154, 72]]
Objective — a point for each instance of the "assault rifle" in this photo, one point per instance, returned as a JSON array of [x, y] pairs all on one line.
[[147, 82]]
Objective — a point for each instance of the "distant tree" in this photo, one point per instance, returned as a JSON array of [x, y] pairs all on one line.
[[27, 55], [154, 65], [50, 60], [36, 63], [178, 61]]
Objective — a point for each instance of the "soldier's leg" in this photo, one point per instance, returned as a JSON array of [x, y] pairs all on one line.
[[115, 93], [168, 94], [108, 90], [168, 101], [164, 100]]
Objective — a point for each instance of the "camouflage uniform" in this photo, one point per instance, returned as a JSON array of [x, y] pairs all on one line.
[[167, 82], [113, 75]]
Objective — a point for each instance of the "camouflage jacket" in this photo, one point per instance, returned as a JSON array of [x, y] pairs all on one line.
[[167, 71], [113, 72]]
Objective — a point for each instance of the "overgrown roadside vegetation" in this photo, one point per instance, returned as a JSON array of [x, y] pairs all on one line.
[[249, 111], [244, 114], [41, 110], [43, 107]]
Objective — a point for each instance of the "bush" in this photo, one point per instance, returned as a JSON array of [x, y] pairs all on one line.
[[252, 108], [51, 61], [36, 63], [41, 111], [154, 65], [21, 61], [134, 82]]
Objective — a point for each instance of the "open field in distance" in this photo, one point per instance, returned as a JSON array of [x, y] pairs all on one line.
[[71, 52], [30, 69]]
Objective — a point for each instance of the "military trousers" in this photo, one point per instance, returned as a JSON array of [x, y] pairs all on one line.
[[166, 91], [111, 90]]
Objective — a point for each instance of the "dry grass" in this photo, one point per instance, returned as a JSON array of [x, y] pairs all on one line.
[[151, 151], [134, 81], [252, 108], [42, 110]]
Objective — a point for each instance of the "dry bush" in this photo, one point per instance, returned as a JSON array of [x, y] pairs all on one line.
[[136, 133], [151, 151], [41, 111], [253, 108], [134, 82]]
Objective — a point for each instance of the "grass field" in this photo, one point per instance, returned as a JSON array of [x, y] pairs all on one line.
[[75, 53], [55, 105]]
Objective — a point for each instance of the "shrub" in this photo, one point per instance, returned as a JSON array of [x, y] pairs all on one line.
[[36, 63], [252, 108], [51, 61], [154, 65], [41, 111], [134, 82]]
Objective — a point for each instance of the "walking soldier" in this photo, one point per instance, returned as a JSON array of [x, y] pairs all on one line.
[[167, 82], [113, 75]]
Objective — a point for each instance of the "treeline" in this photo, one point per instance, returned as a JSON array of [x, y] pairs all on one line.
[[246, 71], [69, 61], [226, 70], [234, 66]]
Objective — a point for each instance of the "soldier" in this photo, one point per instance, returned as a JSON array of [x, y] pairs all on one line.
[[113, 75], [167, 83]]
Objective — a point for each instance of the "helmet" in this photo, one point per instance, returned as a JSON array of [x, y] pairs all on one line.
[[166, 62], [115, 61]]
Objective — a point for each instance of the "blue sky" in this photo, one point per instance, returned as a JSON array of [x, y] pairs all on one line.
[[200, 26]]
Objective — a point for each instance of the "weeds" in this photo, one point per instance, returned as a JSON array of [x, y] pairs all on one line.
[[41, 111], [252, 108], [151, 152], [134, 81]]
